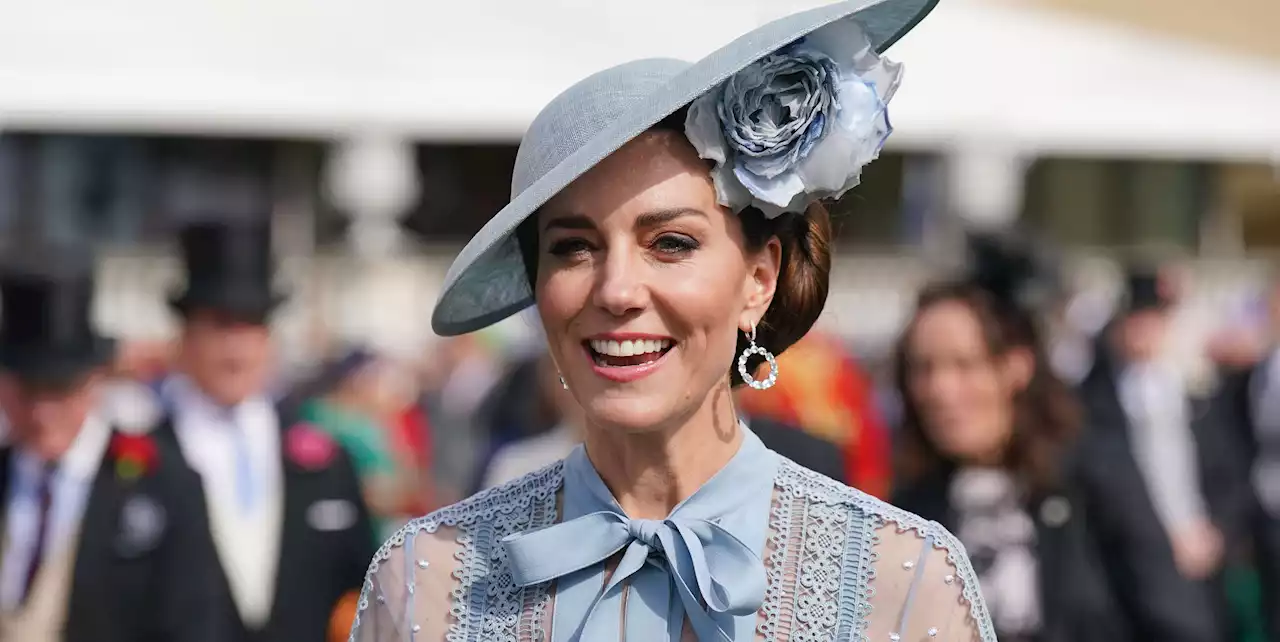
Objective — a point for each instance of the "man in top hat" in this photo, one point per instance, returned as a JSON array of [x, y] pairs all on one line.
[[289, 524], [1187, 479], [102, 541]]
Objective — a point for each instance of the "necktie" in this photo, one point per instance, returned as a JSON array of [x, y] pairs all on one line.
[[708, 564], [246, 477], [45, 491]]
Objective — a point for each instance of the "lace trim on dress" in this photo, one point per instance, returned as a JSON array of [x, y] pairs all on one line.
[[483, 520], [819, 488]]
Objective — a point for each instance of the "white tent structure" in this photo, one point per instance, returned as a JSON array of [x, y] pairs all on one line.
[[976, 71], [1046, 82], [988, 82]]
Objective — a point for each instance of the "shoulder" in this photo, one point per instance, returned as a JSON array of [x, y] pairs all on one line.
[[891, 533], [488, 506], [817, 488]]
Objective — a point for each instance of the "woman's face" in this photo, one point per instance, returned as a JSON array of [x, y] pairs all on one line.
[[643, 284], [962, 394]]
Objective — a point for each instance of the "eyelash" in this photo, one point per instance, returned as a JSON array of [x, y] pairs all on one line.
[[669, 244], [568, 247]]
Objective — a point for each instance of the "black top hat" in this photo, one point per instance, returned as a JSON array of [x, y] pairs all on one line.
[[229, 268], [1144, 291], [1011, 270], [46, 331]]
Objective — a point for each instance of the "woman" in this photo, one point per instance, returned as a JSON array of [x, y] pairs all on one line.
[[1063, 549], [354, 401], [655, 274]]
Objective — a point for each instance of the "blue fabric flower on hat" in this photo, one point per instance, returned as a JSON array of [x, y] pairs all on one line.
[[799, 124]]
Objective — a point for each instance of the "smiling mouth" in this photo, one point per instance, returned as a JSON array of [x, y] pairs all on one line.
[[608, 353]]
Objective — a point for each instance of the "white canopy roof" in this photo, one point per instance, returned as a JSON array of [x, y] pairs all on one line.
[[976, 72]]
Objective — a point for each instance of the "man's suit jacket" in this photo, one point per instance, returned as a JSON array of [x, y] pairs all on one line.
[[318, 564], [133, 582]]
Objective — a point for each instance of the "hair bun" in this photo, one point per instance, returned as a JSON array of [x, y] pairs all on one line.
[[803, 280]]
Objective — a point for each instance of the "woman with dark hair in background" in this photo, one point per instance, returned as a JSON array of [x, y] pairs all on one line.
[[1063, 552]]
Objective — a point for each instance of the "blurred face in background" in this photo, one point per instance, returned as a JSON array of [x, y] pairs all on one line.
[[1141, 334], [45, 419], [962, 394], [229, 358]]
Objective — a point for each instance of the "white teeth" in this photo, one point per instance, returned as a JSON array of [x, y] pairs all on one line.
[[629, 348]]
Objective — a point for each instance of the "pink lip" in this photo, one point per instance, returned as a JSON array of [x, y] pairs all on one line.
[[626, 374]]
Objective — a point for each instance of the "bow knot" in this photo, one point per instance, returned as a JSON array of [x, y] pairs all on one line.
[[645, 531], [712, 570]]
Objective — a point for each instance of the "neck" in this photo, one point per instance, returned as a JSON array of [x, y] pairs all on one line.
[[649, 473]]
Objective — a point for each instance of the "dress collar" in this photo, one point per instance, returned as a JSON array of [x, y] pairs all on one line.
[[740, 480], [701, 548]]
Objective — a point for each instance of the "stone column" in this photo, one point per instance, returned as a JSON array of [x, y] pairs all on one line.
[[986, 182], [373, 179]]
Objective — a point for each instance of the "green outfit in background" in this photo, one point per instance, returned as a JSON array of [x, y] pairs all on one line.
[[365, 441]]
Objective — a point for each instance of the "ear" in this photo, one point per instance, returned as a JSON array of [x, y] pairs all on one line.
[[761, 282], [1018, 366]]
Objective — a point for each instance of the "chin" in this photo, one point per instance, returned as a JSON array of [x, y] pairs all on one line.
[[630, 415]]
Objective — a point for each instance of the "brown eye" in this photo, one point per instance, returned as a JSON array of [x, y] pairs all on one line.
[[675, 244], [569, 247]]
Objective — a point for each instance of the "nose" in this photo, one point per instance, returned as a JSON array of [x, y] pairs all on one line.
[[619, 287]]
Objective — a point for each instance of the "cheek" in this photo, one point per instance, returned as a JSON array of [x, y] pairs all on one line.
[[704, 311], [561, 295], [963, 410], [561, 298], [990, 400]]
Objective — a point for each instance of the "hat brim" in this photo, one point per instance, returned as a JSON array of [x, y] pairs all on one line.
[[487, 283], [56, 367], [251, 303]]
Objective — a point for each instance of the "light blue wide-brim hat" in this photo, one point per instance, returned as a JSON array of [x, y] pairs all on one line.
[[597, 116]]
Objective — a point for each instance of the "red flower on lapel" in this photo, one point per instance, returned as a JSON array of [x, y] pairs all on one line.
[[309, 447], [134, 455]]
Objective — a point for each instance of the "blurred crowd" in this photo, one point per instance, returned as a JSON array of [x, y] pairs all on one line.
[[1098, 496]]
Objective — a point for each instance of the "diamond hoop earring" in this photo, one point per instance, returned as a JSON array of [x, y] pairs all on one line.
[[753, 349]]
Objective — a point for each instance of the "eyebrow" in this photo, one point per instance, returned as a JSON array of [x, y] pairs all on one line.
[[648, 219]]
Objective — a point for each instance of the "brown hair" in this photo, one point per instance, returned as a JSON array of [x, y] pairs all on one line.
[[1045, 417], [803, 279]]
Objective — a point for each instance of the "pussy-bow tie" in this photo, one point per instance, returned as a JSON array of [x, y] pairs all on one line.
[[707, 564]]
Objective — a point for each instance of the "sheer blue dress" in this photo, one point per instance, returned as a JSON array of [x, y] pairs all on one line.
[[765, 550]]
